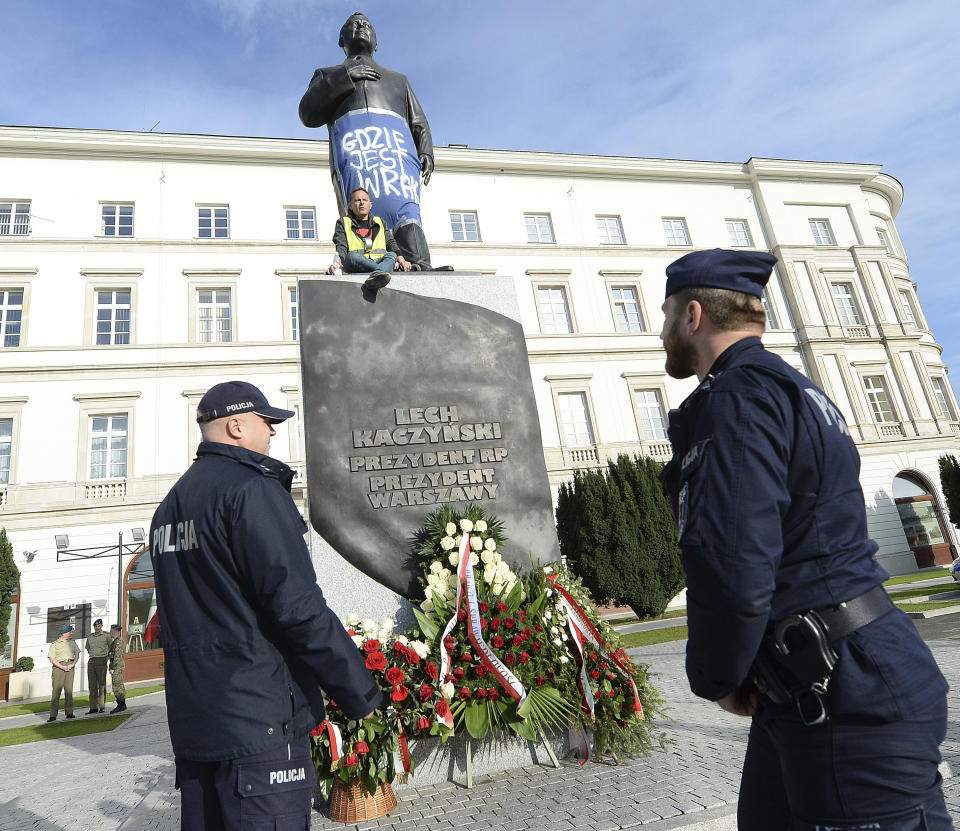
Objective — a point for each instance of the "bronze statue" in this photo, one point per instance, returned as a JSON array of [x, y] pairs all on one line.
[[379, 136]]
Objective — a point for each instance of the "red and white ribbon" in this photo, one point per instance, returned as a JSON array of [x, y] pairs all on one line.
[[583, 631], [404, 777], [336, 743]]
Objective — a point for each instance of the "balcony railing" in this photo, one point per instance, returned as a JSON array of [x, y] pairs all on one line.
[[955, 426], [3, 497], [660, 450], [105, 490], [582, 456], [892, 430], [853, 332]]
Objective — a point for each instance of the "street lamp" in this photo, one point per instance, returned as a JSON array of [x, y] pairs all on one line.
[[65, 553]]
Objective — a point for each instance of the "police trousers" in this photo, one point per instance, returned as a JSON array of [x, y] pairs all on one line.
[[271, 791], [844, 774]]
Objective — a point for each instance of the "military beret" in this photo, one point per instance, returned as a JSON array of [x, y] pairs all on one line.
[[719, 268], [98, 622], [65, 629]]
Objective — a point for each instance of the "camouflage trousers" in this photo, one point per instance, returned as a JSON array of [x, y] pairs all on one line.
[[116, 679]]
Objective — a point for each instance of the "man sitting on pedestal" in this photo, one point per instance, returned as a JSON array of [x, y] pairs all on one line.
[[365, 244]]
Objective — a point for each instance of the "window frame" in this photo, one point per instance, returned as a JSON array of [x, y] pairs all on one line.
[[5, 309], [907, 309], [207, 280], [461, 213], [92, 405], [11, 408], [287, 209], [110, 435], [104, 205], [733, 238], [667, 232], [817, 233], [15, 204], [941, 394], [886, 389], [618, 224], [633, 285], [538, 215], [101, 279], [212, 207], [854, 302], [639, 385], [563, 283]]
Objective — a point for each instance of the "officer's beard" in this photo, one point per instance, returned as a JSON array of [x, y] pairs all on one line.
[[681, 357]]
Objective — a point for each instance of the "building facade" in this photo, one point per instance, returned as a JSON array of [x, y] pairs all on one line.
[[138, 269]]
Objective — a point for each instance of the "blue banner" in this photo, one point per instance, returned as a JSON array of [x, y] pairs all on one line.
[[374, 150]]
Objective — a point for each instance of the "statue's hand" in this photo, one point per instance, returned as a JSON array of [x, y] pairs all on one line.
[[362, 72], [426, 162]]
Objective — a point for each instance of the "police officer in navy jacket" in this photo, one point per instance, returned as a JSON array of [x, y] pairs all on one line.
[[788, 620], [247, 633]]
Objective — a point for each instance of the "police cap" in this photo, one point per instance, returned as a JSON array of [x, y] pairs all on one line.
[[719, 268], [233, 397], [66, 628]]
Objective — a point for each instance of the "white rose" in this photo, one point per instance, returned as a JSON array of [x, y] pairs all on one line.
[[447, 543], [497, 588], [448, 690], [476, 543], [547, 615], [490, 544], [488, 575], [474, 559], [480, 526], [549, 592], [557, 642], [453, 580], [403, 639], [454, 558], [352, 620], [487, 557], [384, 635], [444, 573], [420, 648], [496, 557], [368, 625], [456, 540], [547, 570], [387, 623], [433, 581], [563, 659], [451, 529], [357, 639], [554, 630], [435, 566], [450, 593], [503, 569], [427, 605], [466, 525]]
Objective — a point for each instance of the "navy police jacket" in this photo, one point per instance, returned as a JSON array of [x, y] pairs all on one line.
[[247, 635], [764, 481]]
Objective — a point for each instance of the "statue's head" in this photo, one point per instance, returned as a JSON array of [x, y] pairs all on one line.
[[358, 34]]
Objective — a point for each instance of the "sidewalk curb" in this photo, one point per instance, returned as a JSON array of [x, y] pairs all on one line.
[[949, 610]]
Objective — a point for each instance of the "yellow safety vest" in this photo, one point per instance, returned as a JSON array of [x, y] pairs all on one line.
[[356, 243]]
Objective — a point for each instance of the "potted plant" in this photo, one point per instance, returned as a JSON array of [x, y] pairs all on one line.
[[19, 683]]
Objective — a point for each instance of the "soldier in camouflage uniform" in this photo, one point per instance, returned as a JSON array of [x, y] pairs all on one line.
[[117, 650]]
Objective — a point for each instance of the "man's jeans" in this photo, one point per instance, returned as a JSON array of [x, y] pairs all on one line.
[[357, 263]]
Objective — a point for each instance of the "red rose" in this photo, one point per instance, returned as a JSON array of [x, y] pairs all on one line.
[[423, 723], [537, 646], [399, 694], [316, 731], [333, 703], [549, 672], [351, 760], [442, 708], [482, 669], [493, 694], [361, 747], [522, 615], [351, 632], [458, 673], [376, 661], [483, 606], [501, 606], [541, 680], [622, 723], [481, 693], [527, 633], [412, 657], [399, 650], [425, 692], [603, 665], [594, 674], [448, 642], [394, 676], [517, 640], [537, 627], [509, 623], [462, 615], [497, 641], [464, 693], [510, 660], [431, 670], [611, 676], [466, 657], [494, 624], [613, 693], [593, 656], [524, 657], [483, 623], [371, 645]]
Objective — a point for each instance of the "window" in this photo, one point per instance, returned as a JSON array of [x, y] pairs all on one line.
[[675, 229], [11, 315], [14, 219], [627, 316], [108, 446], [879, 401], [464, 226], [214, 315], [768, 308], [653, 422], [907, 306], [610, 230], [301, 223], [739, 232], [575, 418], [846, 304], [939, 391], [292, 298], [113, 317], [554, 313], [884, 240], [214, 222], [116, 220], [822, 234], [6, 449], [539, 228]]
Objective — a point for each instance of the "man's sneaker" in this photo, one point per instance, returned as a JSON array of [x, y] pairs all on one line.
[[377, 280]]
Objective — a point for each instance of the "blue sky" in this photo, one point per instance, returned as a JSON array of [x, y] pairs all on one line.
[[858, 81]]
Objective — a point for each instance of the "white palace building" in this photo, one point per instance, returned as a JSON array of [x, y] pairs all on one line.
[[138, 269]]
